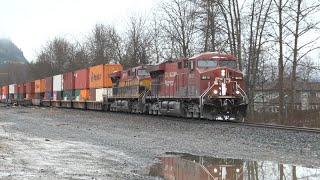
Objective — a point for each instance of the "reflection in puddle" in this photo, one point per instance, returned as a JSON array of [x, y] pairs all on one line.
[[176, 166]]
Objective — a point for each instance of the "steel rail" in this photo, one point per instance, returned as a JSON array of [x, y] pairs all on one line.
[[282, 127]]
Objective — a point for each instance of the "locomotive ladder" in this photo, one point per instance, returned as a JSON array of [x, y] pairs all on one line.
[[242, 93], [203, 95]]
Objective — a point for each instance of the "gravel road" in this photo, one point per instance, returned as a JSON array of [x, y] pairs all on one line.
[[51, 143]]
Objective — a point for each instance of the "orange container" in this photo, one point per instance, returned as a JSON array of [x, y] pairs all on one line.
[[99, 75], [39, 86], [84, 94], [30, 96], [5, 90]]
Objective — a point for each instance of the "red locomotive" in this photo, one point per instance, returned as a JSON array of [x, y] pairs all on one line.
[[208, 86]]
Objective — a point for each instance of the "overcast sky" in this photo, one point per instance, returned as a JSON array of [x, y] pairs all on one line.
[[31, 23]]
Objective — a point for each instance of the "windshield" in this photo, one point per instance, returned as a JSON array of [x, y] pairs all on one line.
[[207, 64], [143, 72], [228, 63]]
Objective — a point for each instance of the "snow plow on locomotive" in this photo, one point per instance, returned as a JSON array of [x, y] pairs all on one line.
[[208, 86]]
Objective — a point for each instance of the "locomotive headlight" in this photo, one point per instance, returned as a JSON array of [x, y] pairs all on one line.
[[215, 92], [223, 72], [215, 170], [237, 92]]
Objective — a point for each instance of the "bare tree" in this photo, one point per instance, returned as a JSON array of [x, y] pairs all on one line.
[[60, 53], [156, 40], [80, 57], [178, 23], [303, 25], [231, 14], [280, 25], [104, 45], [258, 18], [138, 43]]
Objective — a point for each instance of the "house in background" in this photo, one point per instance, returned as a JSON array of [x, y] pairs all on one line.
[[307, 97]]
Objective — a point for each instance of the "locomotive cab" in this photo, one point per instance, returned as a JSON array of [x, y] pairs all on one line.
[[129, 87], [222, 94]]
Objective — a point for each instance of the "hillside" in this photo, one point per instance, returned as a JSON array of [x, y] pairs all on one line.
[[10, 53]]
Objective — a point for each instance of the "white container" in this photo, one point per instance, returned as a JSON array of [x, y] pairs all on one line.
[[58, 82], [4, 96], [103, 92], [11, 88]]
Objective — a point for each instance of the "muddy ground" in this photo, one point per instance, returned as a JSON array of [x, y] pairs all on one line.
[[51, 143]]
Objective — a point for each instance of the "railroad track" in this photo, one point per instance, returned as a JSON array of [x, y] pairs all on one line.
[[282, 127], [259, 125]]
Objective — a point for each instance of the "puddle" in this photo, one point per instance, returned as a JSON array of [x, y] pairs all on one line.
[[176, 166]]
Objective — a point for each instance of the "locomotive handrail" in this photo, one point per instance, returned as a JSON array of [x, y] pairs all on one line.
[[205, 93], [243, 93]]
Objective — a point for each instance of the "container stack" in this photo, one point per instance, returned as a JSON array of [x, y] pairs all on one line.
[[48, 88], [57, 90], [85, 89], [68, 90], [30, 87], [21, 92], [11, 92], [5, 93], [100, 83], [16, 92], [81, 88], [46, 101], [68, 86], [39, 91]]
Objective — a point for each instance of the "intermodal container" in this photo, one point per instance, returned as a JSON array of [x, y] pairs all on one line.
[[57, 95], [49, 83], [68, 81], [77, 95], [48, 95], [92, 94], [84, 94], [58, 82], [68, 94], [22, 88], [16, 89], [12, 88], [39, 86], [81, 78], [30, 87], [103, 92], [5, 92], [21, 91], [30, 96], [99, 75]]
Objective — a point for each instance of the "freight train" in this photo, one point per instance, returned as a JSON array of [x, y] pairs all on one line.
[[208, 86]]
